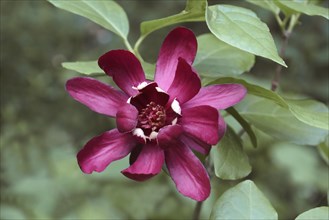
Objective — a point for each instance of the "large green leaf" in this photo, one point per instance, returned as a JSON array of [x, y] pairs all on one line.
[[216, 58], [279, 122], [84, 67], [319, 213], [230, 161], [244, 201], [242, 28], [108, 14], [267, 4], [300, 7], [194, 11], [317, 117]]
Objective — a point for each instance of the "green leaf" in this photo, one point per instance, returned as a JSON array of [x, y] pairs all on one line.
[[84, 67], [108, 14], [319, 213], [230, 161], [315, 117], [194, 11], [244, 124], [216, 58], [308, 9], [324, 150], [266, 4], [242, 29], [244, 201], [279, 122], [287, 11]]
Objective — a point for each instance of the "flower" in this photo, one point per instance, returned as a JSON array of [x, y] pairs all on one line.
[[158, 122]]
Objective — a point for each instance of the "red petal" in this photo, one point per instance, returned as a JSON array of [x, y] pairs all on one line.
[[127, 118], [201, 122], [180, 42], [218, 96], [195, 144], [186, 83], [125, 68], [98, 96], [100, 151], [188, 173], [148, 164], [169, 134], [149, 94]]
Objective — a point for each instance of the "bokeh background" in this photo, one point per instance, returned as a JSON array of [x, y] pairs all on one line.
[[42, 128]]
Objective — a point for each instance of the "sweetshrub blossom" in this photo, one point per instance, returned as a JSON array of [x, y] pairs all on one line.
[[158, 122]]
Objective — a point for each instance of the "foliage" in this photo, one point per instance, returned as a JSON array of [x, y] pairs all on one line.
[[244, 201], [230, 161], [242, 29], [316, 213], [42, 129]]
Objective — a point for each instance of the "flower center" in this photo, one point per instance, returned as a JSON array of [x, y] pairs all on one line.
[[152, 117], [154, 111]]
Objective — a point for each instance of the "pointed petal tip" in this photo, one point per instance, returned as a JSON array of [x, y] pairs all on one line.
[[198, 195], [180, 42], [187, 172], [102, 150]]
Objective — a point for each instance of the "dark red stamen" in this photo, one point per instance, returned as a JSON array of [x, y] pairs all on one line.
[[152, 117]]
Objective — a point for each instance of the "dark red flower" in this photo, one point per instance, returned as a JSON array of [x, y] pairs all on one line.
[[158, 122]]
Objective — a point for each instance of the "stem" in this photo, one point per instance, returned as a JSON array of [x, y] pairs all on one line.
[[277, 74], [137, 44], [280, 22], [198, 206], [126, 42], [292, 24], [286, 35], [197, 210], [129, 47]]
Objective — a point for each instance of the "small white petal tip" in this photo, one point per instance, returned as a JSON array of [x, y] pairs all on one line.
[[176, 107]]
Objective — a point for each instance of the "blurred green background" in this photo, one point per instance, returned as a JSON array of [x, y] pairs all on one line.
[[42, 128]]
